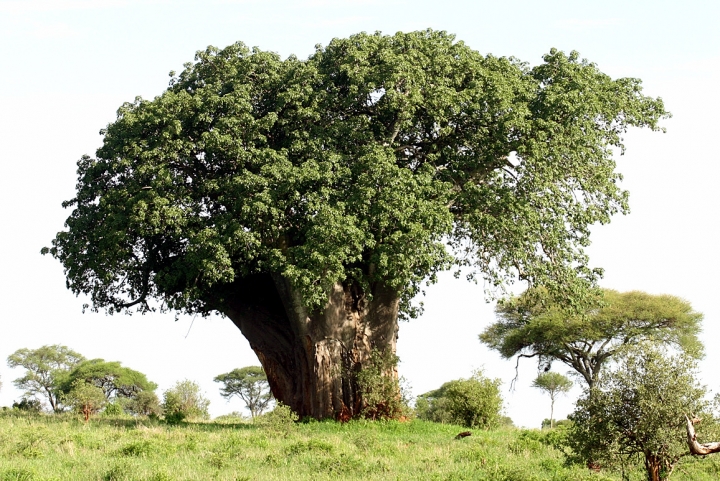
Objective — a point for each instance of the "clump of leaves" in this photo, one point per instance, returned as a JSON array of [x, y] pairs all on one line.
[[281, 419], [184, 401], [475, 402], [28, 404], [382, 394]]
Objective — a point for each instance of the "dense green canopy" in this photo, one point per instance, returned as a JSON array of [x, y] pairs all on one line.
[[114, 379], [363, 162]]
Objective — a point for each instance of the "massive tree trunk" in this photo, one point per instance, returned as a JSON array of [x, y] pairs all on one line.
[[311, 358]]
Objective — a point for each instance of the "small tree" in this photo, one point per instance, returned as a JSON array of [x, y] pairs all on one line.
[[474, 402], [249, 384], [144, 403], [554, 384], [184, 401], [45, 368], [637, 412], [85, 398]]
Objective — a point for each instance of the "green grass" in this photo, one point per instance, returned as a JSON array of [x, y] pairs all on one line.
[[49, 447]]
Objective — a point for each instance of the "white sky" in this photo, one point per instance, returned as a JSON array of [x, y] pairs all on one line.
[[67, 65]]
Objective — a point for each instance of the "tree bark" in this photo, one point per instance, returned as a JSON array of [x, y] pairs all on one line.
[[652, 466], [311, 358], [695, 447]]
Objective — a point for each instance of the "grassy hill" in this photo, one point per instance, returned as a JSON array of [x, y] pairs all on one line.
[[49, 447]]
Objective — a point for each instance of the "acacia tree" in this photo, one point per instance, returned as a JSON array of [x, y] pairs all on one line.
[[45, 369], [307, 200], [533, 325], [552, 383], [249, 384], [115, 380]]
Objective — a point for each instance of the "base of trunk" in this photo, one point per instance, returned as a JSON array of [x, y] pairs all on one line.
[[314, 359]]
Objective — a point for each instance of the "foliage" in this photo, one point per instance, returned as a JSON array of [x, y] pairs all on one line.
[[114, 408], [281, 418], [144, 403], [358, 163], [185, 401], [115, 380], [249, 384], [85, 398], [554, 384], [532, 325], [636, 412], [545, 424], [45, 368], [28, 404], [473, 403], [382, 393]]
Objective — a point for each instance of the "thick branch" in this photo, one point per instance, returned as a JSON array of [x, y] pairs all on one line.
[[695, 447]]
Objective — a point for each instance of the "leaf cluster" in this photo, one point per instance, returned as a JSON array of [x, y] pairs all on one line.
[[185, 401], [475, 402]]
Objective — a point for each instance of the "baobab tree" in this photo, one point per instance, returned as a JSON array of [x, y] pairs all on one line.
[[309, 200]]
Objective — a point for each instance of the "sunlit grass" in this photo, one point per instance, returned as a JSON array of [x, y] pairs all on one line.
[[49, 447]]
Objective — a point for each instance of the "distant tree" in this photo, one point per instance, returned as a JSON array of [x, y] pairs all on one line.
[[144, 403], [28, 404], [46, 367], [115, 380], [249, 384], [532, 325], [637, 411], [554, 384], [184, 401], [85, 397], [474, 402]]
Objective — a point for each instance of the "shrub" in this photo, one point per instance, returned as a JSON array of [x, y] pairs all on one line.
[[282, 418], [474, 402], [184, 401], [28, 404], [382, 394], [144, 403], [114, 409]]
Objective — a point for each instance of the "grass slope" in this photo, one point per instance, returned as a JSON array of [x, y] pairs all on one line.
[[48, 447]]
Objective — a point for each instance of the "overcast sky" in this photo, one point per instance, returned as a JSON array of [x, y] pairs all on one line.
[[67, 65]]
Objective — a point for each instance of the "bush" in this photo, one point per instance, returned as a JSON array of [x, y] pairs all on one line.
[[184, 401], [114, 409], [382, 394], [474, 402], [282, 418], [144, 403], [28, 404]]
